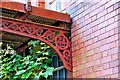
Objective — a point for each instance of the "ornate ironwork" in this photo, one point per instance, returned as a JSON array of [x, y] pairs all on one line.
[[54, 37]]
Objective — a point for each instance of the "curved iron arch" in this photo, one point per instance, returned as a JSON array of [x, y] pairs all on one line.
[[54, 37]]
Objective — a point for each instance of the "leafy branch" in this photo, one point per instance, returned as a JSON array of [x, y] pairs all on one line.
[[36, 65]]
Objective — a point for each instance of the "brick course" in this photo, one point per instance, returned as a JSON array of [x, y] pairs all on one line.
[[95, 37]]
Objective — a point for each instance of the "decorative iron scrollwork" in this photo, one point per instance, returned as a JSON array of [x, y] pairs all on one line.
[[61, 42], [54, 37], [49, 35]]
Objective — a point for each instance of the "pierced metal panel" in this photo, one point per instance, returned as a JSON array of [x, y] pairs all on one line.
[[55, 37]]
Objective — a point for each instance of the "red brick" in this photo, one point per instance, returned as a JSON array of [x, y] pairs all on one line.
[[91, 75], [89, 64], [106, 59], [115, 56], [95, 23], [116, 18], [107, 72], [78, 41], [95, 28], [73, 54], [81, 45], [114, 63], [112, 38], [98, 73], [85, 71], [115, 70], [106, 65], [89, 53], [116, 30], [116, 6], [111, 20], [102, 31], [111, 32], [97, 44], [87, 16], [113, 51], [95, 39], [75, 69], [110, 3], [102, 13], [110, 9], [101, 25], [97, 62], [94, 18], [84, 76], [97, 33], [115, 75], [102, 19], [96, 56], [117, 43], [80, 72], [112, 44], [103, 36], [110, 15], [74, 63], [89, 58], [75, 74], [89, 42], [93, 12], [104, 54], [103, 42], [93, 7], [98, 68], [112, 26], [90, 70], [83, 61], [101, 8], [107, 76], [117, 11], [87, 32], [97, 50], [104, 47], [76, 57]]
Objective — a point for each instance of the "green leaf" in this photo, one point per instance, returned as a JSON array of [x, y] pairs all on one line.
[[39, 52], [8, 67], [29, 66], [31, 51], [49, 71], [5, 59], [1, 76], [20, 67], [26, 75], [38, 76], [45, 53], [20, 72], [1, 61]]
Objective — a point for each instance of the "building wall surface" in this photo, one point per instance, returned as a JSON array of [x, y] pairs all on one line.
[[95, 37]]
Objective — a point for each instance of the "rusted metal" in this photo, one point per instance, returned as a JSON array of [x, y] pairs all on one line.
[[45, 25], [36, 11], [32, 18], [54, 37]]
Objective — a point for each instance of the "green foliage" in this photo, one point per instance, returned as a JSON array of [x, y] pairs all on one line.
[[36, 65]]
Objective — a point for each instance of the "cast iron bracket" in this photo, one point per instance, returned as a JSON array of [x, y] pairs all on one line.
[[55, 37]]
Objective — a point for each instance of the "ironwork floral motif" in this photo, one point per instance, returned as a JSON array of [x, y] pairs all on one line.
[[54, 37]]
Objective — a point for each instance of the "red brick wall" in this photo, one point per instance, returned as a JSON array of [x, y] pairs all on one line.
[[95, 38]]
